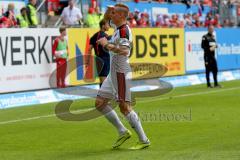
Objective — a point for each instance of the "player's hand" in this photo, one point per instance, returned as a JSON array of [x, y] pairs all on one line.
[[102, 41], [206, 63]]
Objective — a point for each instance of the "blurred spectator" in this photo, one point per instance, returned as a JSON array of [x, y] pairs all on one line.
[[226, 23], [10, 10], [159, 21], [196, 20], [94, 4], [174, 21], [216, 22], [136, 15], [144, 20], [132, 21], [208, 19], [8, 20], [166, 21], [53, 7], [187, 21], [32, 13], [93, 18], [22, 19], [71, 15], [99, 14]]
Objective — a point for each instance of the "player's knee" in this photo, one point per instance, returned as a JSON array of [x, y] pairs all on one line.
[[100, 103], [124, 108]]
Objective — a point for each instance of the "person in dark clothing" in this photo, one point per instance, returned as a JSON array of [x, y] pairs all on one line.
[[209, 45], [103, 57]]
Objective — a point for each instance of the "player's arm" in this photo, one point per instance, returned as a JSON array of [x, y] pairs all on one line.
[[119, 49], [122, 47]]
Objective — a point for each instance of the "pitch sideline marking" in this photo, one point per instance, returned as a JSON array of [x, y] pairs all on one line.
[[189, 94]]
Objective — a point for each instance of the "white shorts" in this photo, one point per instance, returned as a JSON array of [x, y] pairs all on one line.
[[117, 88]]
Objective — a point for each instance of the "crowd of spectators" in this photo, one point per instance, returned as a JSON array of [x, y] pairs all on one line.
[[26, 18], [186, 2], [195, 20], [72, 16]]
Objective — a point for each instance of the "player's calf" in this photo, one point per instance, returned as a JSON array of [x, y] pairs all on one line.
[[135, 122], [125, 108]]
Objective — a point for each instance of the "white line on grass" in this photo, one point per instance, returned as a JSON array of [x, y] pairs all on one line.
[[46, 116], [141, 101], [188, 95]]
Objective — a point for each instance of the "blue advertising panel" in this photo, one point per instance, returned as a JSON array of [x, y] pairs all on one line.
[[228, 52]]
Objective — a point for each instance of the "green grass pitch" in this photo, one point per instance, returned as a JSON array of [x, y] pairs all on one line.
[[189, 123]]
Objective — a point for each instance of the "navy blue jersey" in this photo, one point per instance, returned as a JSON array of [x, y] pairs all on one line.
[[99, 51]]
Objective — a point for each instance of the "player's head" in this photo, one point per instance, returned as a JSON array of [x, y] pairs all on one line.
[[33, 2], [104, 25], [210, 29], [63, 31], [120, 13]]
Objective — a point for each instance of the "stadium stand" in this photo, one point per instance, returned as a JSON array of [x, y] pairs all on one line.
[[221, 14]]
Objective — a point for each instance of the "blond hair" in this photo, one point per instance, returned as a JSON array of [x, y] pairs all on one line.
[[122, 7]]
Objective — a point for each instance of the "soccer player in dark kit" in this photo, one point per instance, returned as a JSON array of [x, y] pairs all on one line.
[[103, 58]]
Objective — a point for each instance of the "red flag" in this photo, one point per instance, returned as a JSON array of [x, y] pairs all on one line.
[[88, 61]]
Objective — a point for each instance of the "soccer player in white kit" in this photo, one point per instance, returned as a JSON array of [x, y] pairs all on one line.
[[117, 84]]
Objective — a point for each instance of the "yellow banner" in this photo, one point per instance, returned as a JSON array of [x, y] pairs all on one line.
[[150, 45], [160, 46]]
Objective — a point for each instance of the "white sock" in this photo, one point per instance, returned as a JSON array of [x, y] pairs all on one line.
[[112, 117], [134, 121]]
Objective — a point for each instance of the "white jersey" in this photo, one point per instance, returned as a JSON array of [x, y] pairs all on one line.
[[117, 84], [122, 36]]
